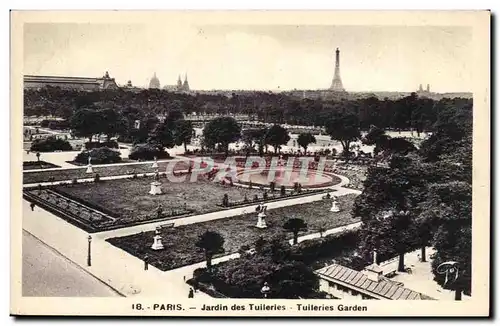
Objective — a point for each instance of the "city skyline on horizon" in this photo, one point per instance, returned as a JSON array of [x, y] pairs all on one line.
[[259, 58]]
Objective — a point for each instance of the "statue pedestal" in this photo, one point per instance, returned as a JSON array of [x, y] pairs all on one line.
[[155, 188], [261, 222], [89, 169], [157, 245], [335, 207]]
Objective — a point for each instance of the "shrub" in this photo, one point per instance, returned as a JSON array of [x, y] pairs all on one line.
[[147, 152], [109, 144], [50, 144], [55, 124], [101, 155]]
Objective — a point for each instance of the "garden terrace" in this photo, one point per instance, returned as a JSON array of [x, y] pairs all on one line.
[[103, 171], [129, 199], [238, 231], [35, 165]]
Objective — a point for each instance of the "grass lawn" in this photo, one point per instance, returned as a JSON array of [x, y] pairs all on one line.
[[104, 171], [129, 198], [179, 242], [35, 165]]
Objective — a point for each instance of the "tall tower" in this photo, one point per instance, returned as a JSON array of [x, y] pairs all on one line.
[[185, 86], [337, 82], [179, 83], [428, 88]]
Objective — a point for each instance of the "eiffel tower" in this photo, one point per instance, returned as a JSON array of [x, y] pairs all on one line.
[[337, 82]]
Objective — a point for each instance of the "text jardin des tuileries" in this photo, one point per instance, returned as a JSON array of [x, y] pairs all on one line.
[[304, 307]]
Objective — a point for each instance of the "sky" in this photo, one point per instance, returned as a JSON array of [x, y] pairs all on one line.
[[265, 57]]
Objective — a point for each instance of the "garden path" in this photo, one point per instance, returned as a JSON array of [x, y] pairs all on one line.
[[115, 267]]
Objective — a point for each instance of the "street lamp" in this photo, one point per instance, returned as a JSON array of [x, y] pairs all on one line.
[[265, 290], [89, 260], [38, 157]]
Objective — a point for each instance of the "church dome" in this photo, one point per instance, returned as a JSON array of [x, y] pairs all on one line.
[[154, 82]]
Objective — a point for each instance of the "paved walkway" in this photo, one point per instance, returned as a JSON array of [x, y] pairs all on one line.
[[122, 271], [47, 273], [421, 278]]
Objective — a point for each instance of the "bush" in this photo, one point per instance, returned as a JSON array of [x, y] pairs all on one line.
[[147, 152], [109, 144], [101, 155], [55, 124], [50, 144], [329, 246]]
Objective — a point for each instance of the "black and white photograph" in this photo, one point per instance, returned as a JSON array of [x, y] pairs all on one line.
[[308, 165]]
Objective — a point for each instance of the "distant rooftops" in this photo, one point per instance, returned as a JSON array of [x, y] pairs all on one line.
[[383, 289]]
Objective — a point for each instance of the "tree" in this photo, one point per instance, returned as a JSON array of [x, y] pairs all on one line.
[[252, 137], [164, 134], [86, 123], [304, 139], [222, 131], [449, 209], [295, 225], [184, 132], [344, 129], [112, 123], [277, 136], [293, 280], [212, 243]]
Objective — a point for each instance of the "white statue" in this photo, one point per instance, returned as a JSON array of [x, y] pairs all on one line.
[[157, 244], [335, 205], [155, 164], [89, 166], [261, 218]]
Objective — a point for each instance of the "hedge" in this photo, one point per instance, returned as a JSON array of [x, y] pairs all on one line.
[[50, 144], [102, 155], [109, 144], [147, 152]]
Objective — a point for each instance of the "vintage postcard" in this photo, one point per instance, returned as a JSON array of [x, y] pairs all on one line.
[[258, 163]]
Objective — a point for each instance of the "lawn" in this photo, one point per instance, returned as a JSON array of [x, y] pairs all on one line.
[[179, 242], [38, 165], [104, 171], [129, 198]]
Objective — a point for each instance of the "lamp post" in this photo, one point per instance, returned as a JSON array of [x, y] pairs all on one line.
[[38, 158], [265, 290], [89, 259]]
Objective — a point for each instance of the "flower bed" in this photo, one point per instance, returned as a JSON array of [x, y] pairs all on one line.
[[238, 231]]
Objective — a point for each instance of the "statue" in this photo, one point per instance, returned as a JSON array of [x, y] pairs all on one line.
[[335, 207], [261, 218], [155, 164], [157, 244], [89, 166]]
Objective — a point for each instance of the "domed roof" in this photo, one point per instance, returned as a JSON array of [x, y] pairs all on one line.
[[154, 82]]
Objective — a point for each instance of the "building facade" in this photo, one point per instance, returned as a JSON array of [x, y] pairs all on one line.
[[345, 283], [180, 86], [70, 83]]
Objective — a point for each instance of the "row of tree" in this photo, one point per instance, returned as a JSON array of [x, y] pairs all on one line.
[[410, 112], [423, 198]]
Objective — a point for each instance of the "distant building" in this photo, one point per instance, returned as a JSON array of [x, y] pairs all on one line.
[[130, 87], [422, 92], [154, 82], [180, 86], [337, 81], [70, 83], [345, 283]]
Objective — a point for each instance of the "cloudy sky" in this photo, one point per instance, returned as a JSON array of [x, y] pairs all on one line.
[[384, 58]]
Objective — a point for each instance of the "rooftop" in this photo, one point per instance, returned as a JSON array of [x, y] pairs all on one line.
[[385, 288]]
